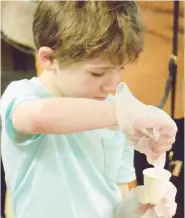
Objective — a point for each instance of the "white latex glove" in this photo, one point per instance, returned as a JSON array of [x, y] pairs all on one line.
[[149, 129], [135, 205]]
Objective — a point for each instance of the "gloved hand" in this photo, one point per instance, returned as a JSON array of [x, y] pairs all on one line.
[[149, 129], [135, 205]]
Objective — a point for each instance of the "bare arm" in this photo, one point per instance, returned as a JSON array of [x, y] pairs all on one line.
[[63, 115], [124, 189]]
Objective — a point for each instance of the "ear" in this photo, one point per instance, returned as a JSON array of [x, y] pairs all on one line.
[[45, 55]]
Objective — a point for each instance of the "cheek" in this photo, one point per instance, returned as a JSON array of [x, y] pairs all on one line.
[[92, 85], [80, 87]]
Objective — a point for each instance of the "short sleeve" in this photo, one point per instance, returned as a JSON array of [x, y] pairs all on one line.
[[12, 133], [126, 172], [8, 104]]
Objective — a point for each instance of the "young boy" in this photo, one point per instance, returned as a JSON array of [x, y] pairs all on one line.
[[60, 157]]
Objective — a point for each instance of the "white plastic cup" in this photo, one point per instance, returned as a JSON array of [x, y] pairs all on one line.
[[155, 183]]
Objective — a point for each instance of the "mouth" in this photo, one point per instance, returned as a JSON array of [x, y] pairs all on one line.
[[100, 98]]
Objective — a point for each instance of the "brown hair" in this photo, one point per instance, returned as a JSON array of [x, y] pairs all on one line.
[[81, 30]]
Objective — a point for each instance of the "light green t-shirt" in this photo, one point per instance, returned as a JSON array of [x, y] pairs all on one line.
[[62, 176]]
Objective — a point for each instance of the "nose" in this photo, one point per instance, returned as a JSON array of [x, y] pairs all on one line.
[[112, 83]]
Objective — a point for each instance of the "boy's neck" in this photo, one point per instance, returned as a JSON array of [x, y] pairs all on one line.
[[47, 80]]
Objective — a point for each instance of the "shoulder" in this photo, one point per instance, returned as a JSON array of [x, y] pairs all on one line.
[[23, 87]]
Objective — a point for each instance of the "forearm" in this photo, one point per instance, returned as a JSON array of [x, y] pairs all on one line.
[[124, 189], [68, 115]]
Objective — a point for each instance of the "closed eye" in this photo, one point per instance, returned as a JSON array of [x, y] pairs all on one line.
[[97, 74]]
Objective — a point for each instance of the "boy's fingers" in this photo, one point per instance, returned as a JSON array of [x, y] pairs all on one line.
[[142, 195], [158, 149]]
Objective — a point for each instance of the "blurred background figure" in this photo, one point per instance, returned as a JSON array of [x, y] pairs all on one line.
[[147, 78]]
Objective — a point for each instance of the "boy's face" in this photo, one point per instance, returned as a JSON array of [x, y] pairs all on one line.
[[93, 79]]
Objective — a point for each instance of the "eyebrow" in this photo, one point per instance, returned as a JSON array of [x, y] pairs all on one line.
[[108, 68], [98, 68], [101, 67]]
